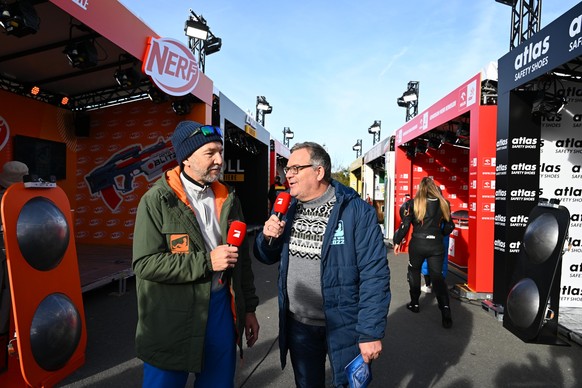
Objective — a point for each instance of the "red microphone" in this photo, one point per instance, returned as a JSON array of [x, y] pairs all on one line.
[[236, 235], [281, 206]]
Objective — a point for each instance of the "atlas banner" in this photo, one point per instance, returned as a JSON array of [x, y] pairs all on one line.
[[452, 105], [556, 44], [561, 178], [516, 190]]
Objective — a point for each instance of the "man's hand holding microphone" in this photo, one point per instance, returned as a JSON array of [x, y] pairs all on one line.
[[225, 257], [274, 226]]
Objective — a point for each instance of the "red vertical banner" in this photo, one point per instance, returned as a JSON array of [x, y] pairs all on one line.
[[403, 185], [482, 192]]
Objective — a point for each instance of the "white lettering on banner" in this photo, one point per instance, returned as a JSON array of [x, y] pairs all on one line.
[[523, 169], [575, 29], [531, 52], [560, 168], [171, 65], [444, 109], [82, 3], [531, 68], [524, 143], [230, 168], [410, 130]]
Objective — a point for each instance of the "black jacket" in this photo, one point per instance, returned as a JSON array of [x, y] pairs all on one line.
[[431, 228]]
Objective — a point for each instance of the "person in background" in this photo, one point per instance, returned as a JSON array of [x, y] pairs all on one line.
[[12, 172], [334, 280], [276, 188], [195, 294], [428, 210]]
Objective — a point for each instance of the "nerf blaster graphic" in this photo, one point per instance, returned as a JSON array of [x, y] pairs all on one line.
[[115, 177]]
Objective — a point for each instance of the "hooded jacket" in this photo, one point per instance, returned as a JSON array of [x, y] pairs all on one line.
[[174, 274], [355, 278]]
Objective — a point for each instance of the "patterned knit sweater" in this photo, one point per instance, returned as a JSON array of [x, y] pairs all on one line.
[[304, 276]]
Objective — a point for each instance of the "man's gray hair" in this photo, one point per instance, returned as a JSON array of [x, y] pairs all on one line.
[[318, 155]]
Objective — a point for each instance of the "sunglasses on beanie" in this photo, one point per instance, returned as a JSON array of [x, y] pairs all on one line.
[[206, 130]]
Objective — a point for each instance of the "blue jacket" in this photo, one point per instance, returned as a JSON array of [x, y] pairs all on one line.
[[355, 278]]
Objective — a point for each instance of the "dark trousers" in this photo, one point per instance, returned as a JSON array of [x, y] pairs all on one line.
[[308, 349], [417, 253]]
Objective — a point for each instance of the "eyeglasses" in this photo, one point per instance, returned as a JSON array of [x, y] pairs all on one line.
[[206, 130], [294, 170]]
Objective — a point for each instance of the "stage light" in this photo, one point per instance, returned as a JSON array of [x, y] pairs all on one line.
[[409, 96], [288, 134], [81, 54], [263, 104], [212, 45], [401, 103], [449, 137], [182, 107], [19, 18], [196, 29], [375, 129], [127, 78], [358, 148], [263, 108], [410, 150], [434, 143], [156, 95], [35, 90], [420, 147], [463, 130], [65, 100], [409, 100], [548, 105]]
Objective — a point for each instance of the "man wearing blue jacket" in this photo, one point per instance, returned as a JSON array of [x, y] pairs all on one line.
[[334, 280]]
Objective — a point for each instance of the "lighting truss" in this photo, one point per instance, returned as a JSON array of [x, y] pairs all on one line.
[[409, 100], [201, 40], [375, 129], [263, 108], [358, 148]]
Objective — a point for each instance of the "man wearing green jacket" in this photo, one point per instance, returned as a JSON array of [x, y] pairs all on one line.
[[195, 294]]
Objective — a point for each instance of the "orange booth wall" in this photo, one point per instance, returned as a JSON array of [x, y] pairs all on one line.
[[139, 126], [26, 117], [129, 144]]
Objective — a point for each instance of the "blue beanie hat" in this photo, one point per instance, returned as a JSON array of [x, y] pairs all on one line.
[[184, 144]]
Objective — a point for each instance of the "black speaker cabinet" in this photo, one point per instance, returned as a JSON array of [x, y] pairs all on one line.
[[531, 311], [82, 123]]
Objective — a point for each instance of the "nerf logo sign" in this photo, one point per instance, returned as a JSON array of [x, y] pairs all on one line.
[[171, 65]]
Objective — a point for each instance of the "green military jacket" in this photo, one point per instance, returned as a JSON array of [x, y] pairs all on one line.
[[174, 274]]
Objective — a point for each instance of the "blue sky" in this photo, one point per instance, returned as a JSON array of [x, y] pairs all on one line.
[[330, 68]]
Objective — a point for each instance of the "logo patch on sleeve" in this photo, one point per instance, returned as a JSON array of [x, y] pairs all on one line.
[[180, 243]]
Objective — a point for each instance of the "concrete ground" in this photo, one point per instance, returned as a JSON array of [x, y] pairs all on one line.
[[477, 352]]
